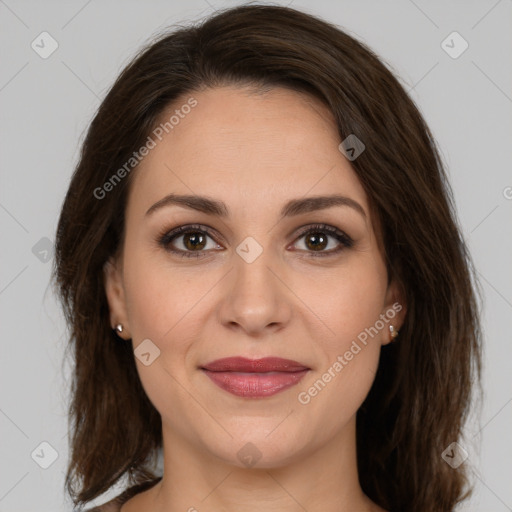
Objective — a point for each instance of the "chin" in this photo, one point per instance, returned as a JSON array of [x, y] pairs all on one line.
[[255, 448]]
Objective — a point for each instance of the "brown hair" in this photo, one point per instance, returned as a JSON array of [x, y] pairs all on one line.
[[422, 391]]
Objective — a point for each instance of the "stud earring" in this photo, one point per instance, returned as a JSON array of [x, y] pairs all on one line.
[[393, 332], [119, 328]]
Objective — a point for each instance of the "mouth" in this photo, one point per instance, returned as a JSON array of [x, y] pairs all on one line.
[[254, 378]]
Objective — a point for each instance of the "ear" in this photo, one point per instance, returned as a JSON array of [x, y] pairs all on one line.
[[395, 310], [114, 289]]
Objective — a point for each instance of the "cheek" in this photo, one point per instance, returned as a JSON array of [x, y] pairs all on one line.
[[335, 391], [151, 303], [351, 349], [169, 306], [349, 302], [159, 298], [163, 306], [362, 304]]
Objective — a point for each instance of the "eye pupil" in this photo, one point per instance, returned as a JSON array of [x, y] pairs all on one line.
[[194, 241], [316, 241]]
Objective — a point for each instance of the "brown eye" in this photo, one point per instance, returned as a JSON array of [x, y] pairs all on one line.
[[194, 241], [189, 241], [323, 240], [316, 241]]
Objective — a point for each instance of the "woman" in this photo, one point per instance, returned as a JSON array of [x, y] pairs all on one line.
[[263, 275]]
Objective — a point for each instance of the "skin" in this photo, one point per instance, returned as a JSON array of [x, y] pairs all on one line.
[[253, 151]]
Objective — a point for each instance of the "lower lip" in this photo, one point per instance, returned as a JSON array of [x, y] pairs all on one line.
[[255, 385]]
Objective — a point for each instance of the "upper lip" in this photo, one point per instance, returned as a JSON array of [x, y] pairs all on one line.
[[263, 365]]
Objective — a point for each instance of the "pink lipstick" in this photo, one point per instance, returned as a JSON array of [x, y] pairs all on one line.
[[254, 378]]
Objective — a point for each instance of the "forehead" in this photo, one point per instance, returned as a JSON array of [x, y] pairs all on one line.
[[245, 147]]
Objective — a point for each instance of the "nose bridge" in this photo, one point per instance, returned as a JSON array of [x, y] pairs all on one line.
[[253, 278], [252, 263], [256, 299]]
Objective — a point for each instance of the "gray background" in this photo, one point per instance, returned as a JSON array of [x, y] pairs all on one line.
[[47, 104]]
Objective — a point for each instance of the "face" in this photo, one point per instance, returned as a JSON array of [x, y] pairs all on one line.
[[265, 271]]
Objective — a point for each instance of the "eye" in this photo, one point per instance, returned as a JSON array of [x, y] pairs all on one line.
[[189, 241], [318, 237], [192, 241]]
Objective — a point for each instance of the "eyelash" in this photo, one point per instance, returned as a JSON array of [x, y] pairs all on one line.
[[165, 239]]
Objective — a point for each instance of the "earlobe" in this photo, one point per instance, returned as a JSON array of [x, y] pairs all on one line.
[[114, 290], [395, 310]]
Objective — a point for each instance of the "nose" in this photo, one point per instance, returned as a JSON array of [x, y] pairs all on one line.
[[256, 301]]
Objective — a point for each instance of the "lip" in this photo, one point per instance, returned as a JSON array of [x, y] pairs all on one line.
[[254, 378]]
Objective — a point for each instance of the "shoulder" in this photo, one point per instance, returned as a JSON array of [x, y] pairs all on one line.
[[111, 506], [116, 504]]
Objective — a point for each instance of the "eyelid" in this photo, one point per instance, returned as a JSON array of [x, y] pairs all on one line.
[[306, 228]]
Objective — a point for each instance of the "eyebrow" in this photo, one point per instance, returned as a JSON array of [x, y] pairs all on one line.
[[291, 208]]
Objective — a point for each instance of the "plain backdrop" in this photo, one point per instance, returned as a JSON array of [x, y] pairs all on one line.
[[47, 104]]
